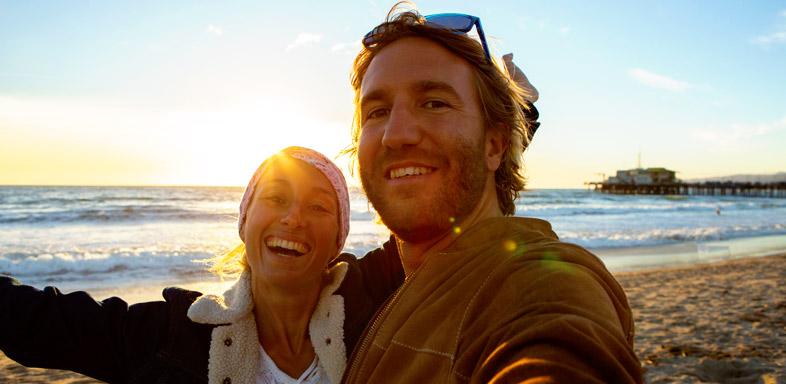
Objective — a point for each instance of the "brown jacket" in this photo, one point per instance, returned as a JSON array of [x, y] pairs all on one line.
[[507, 302]]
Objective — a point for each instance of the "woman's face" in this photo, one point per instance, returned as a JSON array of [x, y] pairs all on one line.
[[292, 225]]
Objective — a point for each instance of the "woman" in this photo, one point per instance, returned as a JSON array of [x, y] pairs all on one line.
[[282, 321]]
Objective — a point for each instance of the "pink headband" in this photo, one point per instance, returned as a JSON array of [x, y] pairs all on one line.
[[320, 162]]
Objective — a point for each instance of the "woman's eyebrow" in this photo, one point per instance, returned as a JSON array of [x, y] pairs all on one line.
[[279, 181], [321, 190]]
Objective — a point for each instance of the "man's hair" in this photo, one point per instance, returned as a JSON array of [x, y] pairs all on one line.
[[501, 100]]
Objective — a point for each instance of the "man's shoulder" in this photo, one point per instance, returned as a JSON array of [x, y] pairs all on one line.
[[516, 243], [522, 228]]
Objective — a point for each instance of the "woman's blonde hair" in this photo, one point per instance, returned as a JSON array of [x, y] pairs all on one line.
[[502, 101], [229, 264]]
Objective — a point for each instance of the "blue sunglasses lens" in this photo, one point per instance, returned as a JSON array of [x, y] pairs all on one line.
[[456, 22]]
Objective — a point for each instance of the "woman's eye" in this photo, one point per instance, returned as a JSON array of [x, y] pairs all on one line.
[[275, 199], [319, 208]]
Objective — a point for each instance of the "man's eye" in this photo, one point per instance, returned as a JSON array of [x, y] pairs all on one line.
[[377, 113], [435, 104]]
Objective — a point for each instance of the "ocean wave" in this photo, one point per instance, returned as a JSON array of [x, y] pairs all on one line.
[[122, 263], [114, 214], [635, 208], [600, 238]]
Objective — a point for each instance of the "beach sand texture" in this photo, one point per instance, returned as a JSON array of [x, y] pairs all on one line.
[[711, 323]]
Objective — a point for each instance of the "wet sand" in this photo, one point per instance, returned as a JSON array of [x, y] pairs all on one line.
[[723, 322]]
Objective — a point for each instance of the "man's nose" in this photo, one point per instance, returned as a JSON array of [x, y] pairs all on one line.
[[402, 128]]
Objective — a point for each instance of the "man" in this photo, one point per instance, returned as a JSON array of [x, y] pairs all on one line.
[[438, 137]]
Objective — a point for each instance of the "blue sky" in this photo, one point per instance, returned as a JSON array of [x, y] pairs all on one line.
[[200, 92]]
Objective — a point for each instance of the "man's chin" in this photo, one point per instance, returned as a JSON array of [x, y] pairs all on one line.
[[416, 234], [415, 224]]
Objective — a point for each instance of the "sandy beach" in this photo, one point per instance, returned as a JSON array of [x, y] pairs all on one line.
[[711, 323], [723, 322]]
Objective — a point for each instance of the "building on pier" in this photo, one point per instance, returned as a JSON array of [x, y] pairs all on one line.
[[661, 181]]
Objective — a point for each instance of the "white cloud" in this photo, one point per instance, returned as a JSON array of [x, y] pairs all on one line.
[[777, 37], [564, 30], [658, 81], [347, 48], [737, 132], [525, 23], [213, 30], [305, 39]]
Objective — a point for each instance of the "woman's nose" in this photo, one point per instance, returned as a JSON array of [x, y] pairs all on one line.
[[291, 216]]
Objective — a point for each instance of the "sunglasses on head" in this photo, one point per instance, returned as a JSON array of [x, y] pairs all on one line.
[[456, 22]]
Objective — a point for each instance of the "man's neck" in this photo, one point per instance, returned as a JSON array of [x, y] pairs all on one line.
[[414, 254]]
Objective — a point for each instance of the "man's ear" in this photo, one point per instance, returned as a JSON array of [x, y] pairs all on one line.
[[496, 144]]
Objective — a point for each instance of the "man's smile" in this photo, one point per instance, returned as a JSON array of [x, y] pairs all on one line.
[[396, 173]]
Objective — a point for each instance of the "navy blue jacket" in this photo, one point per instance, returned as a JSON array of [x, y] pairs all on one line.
[[153, 342]]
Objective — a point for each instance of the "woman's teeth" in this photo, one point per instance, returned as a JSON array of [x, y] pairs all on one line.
[[286, 247]]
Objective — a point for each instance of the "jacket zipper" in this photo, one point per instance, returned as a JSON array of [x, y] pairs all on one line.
[[369, 330]]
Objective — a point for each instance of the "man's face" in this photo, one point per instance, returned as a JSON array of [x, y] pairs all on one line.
[[422, 148]]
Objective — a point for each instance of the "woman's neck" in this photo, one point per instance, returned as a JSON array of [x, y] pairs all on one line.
[[282, 319]]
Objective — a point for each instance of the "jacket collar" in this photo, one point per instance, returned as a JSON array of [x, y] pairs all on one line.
[[237, 301]]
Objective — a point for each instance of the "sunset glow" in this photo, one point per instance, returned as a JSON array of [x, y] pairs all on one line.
[[180, 93]]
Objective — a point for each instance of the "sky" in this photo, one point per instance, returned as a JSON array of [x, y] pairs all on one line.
[[200, 92]]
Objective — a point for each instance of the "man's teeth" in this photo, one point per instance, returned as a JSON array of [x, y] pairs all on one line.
[[291, 248], [408, 171]]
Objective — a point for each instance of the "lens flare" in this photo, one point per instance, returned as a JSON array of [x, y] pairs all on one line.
[[552, 260], [509, 245]]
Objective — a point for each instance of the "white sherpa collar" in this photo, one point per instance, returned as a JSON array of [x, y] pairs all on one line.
[[231, 311], [237, 301]]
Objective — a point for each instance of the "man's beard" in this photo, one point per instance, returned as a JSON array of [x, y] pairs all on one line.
[[440, 213]]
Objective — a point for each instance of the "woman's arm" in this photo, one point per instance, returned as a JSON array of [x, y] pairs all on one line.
[[382, 272], [102, 339]]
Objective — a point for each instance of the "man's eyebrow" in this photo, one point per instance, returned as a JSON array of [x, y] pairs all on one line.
[[377, 94], [430, 85], [421, 86]]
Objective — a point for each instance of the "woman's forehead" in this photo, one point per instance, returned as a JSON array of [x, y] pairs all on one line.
[[286, 171]]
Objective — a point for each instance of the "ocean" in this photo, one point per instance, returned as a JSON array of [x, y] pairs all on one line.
[[96, 238]]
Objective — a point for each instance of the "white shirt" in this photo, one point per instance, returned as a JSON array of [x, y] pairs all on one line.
[[270, 374]]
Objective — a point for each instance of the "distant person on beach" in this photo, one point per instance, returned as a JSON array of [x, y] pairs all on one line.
[[438, 140], [295, 312]]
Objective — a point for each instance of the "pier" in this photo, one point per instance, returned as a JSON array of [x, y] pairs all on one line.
[[700, 189]]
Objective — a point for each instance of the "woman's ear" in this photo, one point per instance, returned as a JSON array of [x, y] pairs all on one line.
[[496, 144]]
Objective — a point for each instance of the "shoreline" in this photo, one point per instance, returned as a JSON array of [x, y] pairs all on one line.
[[722, 321], [689, 253]]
